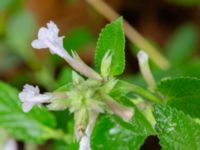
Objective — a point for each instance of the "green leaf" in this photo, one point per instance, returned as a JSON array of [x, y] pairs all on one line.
[[37, 125], [117, 135], [182, 44], [175, 130], [112, 38], [182, 93], [112, 133]]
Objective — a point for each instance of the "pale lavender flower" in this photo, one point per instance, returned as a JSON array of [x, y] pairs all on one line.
[[10, 144], [48, 38], [31, 96]]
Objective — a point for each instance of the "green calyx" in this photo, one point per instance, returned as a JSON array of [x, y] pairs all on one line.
[[85, 97]]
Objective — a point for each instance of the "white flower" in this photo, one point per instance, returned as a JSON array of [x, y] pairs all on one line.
[[48, 38], [11, 144], [142, 57], [85, 143], [31, 96]]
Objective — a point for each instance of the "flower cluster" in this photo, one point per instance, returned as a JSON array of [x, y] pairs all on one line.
[[85, 98]]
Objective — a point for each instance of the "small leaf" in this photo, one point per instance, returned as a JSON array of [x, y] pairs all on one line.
[[112, 38], [182, 93], [37, 125], [175, 130]]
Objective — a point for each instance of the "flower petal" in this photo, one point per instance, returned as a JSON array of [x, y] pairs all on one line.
[[38, 44], [85, 143], [11, 144], [32, 94], [30, 88], [44, 34], [27, 106], [53, 27], [59, 41]]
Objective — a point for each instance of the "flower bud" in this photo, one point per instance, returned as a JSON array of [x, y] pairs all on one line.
[[81, 118], [124, 112], [105, 64], [143, 59]]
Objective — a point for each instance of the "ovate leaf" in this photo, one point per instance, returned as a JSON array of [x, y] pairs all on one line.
[[176, 130], [182, 93], [112, 38], [37, 125]]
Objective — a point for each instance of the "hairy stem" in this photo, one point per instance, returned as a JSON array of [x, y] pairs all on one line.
[[126, 87]]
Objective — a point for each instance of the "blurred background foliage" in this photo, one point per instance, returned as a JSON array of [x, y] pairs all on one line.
[[170, 25]]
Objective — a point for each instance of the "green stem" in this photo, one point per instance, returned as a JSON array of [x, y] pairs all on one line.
[[126, 87]]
